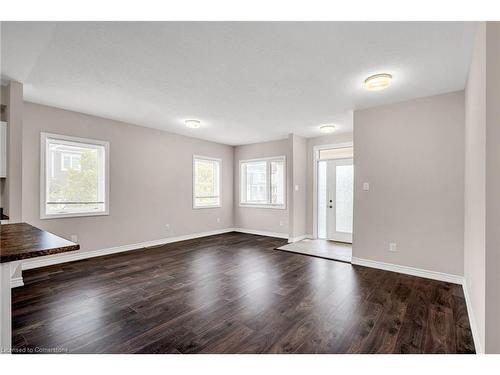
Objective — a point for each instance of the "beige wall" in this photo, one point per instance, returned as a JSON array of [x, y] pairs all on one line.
[[262, 219], [298, 186], [475, 188], [492, 187], [482, 186], [150, 181], [412, 155], [311, 142]]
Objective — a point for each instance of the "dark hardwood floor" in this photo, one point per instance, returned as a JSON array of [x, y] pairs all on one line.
[[233, 293]]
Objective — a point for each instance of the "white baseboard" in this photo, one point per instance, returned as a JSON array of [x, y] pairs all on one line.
[[79, 255], [261, 233], [16, 282], [299, 238], [450, 278], [472, 320]]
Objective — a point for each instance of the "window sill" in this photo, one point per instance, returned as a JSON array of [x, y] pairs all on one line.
[[62, 216], [205, 207], [269, 206]]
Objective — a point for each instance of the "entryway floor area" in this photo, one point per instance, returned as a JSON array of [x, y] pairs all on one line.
[[321, 248]]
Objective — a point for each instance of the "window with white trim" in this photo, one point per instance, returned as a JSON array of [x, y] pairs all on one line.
[[74, 177], [263, 182], [206, 182]]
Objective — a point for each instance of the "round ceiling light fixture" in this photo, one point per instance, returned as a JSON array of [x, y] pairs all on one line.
[[378, 82], [327, 128], [192, 124]]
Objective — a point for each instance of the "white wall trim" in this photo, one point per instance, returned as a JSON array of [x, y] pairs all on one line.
[[261, 233], [299, 238], [450, 278], [78, 255], [472, 320], [16, 282]]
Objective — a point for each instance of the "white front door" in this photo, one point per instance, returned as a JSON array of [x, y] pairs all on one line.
[[339, 200]]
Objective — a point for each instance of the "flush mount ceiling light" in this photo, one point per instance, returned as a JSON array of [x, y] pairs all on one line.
[[192, 124], [378, 82], [327, 128]]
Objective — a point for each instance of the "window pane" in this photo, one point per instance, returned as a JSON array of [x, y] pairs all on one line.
[[344, 197], [256, 184], [74, 177], [206, 182], [336, 153], [277, 182]]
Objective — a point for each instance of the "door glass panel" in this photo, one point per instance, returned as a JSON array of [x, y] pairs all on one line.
[[322, 196], [344, 198]]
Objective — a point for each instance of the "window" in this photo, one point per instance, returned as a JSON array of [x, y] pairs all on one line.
[[206, 182], [71, 161], [262, 182], [74, 177]]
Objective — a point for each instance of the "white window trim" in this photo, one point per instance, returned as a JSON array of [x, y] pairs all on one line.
[[285, 192], [219, 160], [43, 170]]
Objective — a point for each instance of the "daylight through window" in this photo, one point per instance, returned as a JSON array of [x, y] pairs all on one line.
[[74, 176], [206, 182], [262, 182]]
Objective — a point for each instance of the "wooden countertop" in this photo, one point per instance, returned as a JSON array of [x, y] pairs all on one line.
[[23, 241]]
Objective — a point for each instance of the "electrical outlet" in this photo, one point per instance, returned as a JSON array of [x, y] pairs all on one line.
[[366, 186], [393, 247], [74, 238], [218, 219], [281, 223]]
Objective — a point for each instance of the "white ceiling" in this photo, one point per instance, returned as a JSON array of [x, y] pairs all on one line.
[[246, 81]]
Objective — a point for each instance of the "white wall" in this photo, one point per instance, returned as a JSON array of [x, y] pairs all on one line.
[[150, 181], [475, 184], [482, 187], [412, 155], [492, 327], [298, 207], [261, 219]]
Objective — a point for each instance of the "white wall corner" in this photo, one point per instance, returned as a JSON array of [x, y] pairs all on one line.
[[472, 319], [298, 238]]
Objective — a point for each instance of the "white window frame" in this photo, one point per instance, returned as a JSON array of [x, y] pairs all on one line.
[[44, 169], [71, 156], [268, 179], [219, 161]]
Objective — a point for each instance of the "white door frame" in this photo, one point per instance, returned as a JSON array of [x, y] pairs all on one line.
[[316, 150]]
